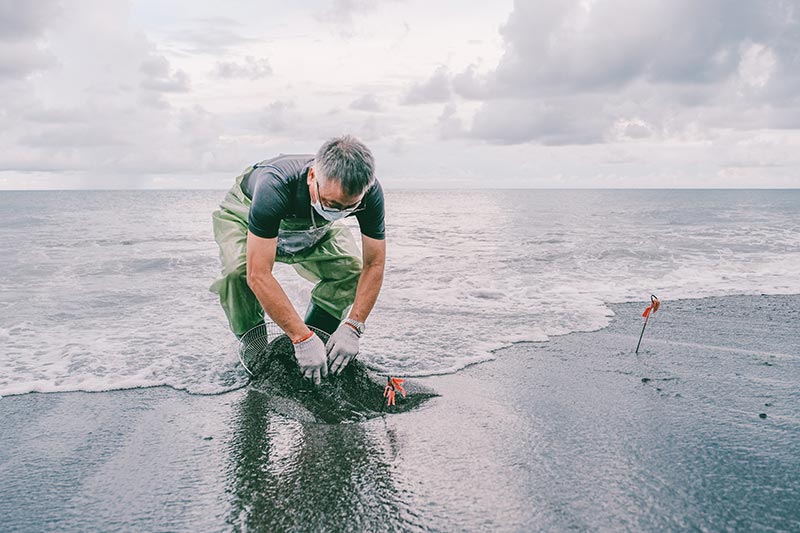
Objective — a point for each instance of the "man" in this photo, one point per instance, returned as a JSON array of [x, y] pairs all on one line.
[[289, 209]]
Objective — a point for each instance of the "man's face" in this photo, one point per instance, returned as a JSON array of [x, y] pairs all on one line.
[[330, 194]]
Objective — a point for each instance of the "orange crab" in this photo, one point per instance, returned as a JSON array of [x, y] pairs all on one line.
[[393, 385]]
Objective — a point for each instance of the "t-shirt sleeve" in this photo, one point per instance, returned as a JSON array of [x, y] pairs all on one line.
[[270, 206], [371, 218]]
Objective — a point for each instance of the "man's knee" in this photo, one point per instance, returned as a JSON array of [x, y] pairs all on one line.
[[231, 237], [352, 267], [344, 276]]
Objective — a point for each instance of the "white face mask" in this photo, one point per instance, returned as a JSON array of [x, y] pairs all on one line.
[[331, 215], [327, 213]]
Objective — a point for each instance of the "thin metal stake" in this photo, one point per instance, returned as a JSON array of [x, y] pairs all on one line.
[[641, 334], [654, 305]]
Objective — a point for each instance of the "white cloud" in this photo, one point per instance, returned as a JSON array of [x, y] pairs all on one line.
[[450, 124], [550, 122], [367, 102], [342, 15], [24, 20], [18, 60], [277, 117], [625, 129], [573, 92], [212, 36], [104, 110], [572, 72], [434, 90], [757, 64], [22, 26], [250, 68], [469, 84], [579, 46], [160, 77]]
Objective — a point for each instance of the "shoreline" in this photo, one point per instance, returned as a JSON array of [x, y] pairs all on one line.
[[573, 432], [493, 352]]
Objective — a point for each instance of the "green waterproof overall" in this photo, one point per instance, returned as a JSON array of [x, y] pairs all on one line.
[[321, 252]]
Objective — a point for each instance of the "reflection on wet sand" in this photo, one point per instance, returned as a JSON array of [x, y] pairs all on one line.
[[290, 475]]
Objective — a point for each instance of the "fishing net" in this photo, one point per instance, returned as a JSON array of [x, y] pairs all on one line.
[[254, 345], [267, 354]]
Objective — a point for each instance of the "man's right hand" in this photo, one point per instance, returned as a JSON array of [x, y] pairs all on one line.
[[312, 358]]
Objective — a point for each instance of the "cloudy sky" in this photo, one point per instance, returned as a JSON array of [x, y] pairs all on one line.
[[447, 93]]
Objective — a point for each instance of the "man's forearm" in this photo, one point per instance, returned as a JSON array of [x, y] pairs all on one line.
[[277, 305], [369, 286]]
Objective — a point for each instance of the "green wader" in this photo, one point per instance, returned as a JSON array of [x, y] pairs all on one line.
[[332, 261]]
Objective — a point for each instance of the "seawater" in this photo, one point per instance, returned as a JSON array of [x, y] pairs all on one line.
[[105, 290]]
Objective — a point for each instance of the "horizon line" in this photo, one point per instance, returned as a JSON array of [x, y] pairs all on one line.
[[735, 188]]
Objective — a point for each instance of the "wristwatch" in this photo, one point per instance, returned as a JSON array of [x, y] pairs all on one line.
[[358, 326]]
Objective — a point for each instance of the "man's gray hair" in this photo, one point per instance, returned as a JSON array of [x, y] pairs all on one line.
[[348, 161]]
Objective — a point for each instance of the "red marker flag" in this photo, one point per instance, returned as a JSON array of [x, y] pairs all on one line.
[[654, 305], [652, 308]]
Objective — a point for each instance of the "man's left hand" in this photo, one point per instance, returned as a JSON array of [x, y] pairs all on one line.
[[342, 347]]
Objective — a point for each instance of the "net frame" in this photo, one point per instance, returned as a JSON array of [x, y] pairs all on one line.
[[257, 340]]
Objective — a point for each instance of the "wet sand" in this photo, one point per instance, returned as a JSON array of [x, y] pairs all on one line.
[[701, 430]]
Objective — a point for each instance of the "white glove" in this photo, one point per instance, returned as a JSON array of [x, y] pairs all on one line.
[[342, 347], [312, 358]]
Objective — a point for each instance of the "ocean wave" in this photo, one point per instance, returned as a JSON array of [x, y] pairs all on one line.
[[456, 290]]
